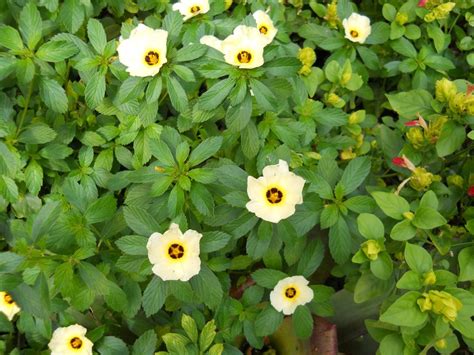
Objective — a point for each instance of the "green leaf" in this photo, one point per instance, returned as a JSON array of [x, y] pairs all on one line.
[[268, 278], [410, 280], [264, 96], [250, 140], [405, 312], [53, 95], [354, 174], [34, 177], [8, 189], [93, 278], [10, 38], [133, 245], [404, 47], [466, 264], [382, 267], [402, 231], [216, 94], [370, 226], [97, 36], [95, 90], [37, 133], [207, 335], [205, 150], [451, 138], [110, 345], [30, 24], [45, 219], [392, 344], [207, 287], [268, 321], [189, 326], [153, 89], [418, 259], [56, 51], [428, 218], [146, 344], [392, 205], [340, 241], [190, 52], [178, 97], [329, 216], [409, 104], [140, 220], [34, 300], [212, 241], [154, 296], [101, 210], [302, 322]]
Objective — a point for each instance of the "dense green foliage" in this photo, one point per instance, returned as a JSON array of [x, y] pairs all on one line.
[[93, 161]]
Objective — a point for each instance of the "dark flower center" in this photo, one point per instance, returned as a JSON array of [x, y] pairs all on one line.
[[274, 195], [152, 58], [195, 9], [290, 292], [244, 57], [8, 299], [76, 343], [263, 30], [176, 251], [354, 33]]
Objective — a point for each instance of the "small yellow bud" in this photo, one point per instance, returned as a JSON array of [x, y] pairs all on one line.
[[434, 129], [456, 180], [357, 117], [445, 304], [331, 14], [440, 12], [441, 344], [371, 249], [159, 169], [401, 18], [305, 70], [445, 89], [228, 3], [421, 179], [409, 215], [313, 155], [307, 56], [399, 255], [429, 278], [334, 100], [416, 137], [347, 154], [424, 303]]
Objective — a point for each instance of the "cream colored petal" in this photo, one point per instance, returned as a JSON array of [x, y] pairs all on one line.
[[256, 188], [275, 170], [212, 42], [155, 246]]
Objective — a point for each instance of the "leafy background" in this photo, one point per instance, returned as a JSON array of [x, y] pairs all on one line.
[[93, 161]]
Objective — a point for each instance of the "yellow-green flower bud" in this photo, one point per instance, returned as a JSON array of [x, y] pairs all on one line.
[[429, 278], [313, 155], [357, 117], [371, 249], [401, 18], [331, 14], [348, 154], [441, 344], [424, 303], [305, 70], [335, 100], [445, 304], [440, 12], [409, 215], [307, 56], [434, 129], [456, 180], [416, 137], [421, 179], [445, 89], [457, 103], [227, 3]]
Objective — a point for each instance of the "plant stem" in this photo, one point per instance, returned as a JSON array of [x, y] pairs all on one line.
[[25, 109]]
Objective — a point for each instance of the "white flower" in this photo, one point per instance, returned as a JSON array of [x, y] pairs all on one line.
[[265, 26], [357, 27], [274, 195], [243, 48], [70, 340], [144, 52], [174, 255], [8, 306], [191, 8], [290, 293]]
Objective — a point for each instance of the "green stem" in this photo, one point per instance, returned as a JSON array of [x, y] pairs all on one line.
[[454, 23], [25, 109]]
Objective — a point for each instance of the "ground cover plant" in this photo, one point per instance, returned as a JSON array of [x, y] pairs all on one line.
[[228, 177]]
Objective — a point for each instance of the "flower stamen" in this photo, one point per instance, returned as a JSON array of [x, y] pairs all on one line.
[[263, 30], [7, 298], [244, 57], [354, 33], [152, 58], [274, 195], [176, 251], [76, 343], [194, 9], [290, 292]]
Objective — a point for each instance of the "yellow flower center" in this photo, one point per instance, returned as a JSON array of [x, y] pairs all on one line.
[[176, 251], [152, 58], [7, 298], [76, 343], [274, 195], [290, 292], [195, 9], [263, 29], [354, 33], [244, 57]]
